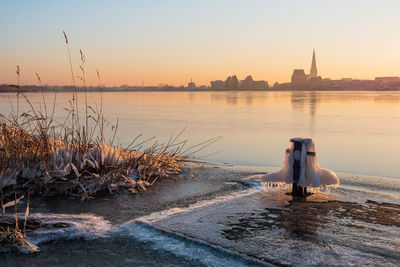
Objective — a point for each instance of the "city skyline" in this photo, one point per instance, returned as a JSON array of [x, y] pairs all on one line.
[[299, 81], [171, 42]]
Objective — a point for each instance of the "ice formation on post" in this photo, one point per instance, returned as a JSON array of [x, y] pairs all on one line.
[[310, 174]]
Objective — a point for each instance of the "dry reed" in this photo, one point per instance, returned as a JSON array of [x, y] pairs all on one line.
[[14, 239]]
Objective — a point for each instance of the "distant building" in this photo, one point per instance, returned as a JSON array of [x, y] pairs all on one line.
[[316, 82], [191, 84], [249, 84], [312, 80], [387, 80], [346, 80], [299, 77], [313, 70], [232, 83], [217, 85]]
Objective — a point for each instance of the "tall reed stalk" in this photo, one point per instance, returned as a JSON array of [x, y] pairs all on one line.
[[74, 103]]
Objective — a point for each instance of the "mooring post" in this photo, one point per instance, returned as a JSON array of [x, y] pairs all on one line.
[[300, 168], [296, 189]]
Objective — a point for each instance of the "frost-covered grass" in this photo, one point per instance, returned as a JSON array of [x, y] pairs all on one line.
[[51, 158]]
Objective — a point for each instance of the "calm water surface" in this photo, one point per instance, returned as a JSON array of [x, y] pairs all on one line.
[[356, 132]]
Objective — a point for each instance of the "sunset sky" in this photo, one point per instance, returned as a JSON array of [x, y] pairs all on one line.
[[171, 41]]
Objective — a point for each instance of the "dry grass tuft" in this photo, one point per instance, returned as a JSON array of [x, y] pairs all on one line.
[[51, 158]]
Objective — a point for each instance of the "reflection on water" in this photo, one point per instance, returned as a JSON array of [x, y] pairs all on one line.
[[297, 100], [356, 132]]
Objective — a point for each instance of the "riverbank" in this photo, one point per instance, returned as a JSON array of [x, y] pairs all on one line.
[[156, 89]]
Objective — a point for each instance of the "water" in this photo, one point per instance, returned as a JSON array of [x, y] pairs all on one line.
[[222, 218], [355, 132]]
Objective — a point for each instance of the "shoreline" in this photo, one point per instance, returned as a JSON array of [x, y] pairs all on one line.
[[211, 180], [105, 90]]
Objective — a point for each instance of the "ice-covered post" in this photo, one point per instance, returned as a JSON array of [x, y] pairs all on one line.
[[300, 168], [298, 190]]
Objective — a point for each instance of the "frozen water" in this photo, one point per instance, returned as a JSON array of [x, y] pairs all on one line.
[[85, 226]]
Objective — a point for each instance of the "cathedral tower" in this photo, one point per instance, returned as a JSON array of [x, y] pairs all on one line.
[[313, 71]]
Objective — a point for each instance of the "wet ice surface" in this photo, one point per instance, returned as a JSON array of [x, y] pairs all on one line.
[[182, 246], [274, 228], [80, 226]]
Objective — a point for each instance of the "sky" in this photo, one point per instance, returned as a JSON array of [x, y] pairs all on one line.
[[172, 41]]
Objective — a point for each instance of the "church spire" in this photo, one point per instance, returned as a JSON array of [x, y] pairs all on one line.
[[313, 71]]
